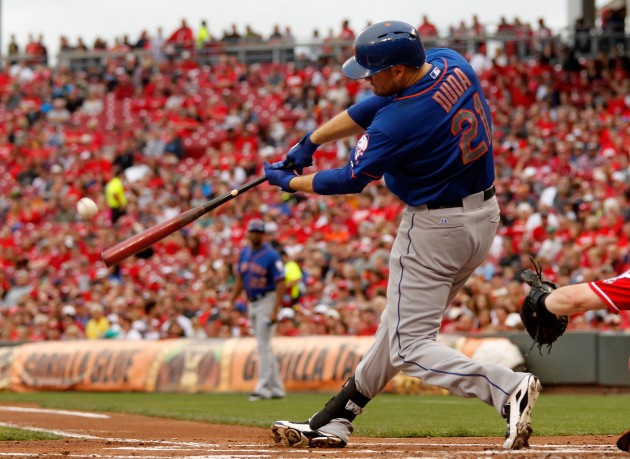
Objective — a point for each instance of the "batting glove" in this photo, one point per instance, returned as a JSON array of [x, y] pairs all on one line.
[[301, 154], [278, 176]]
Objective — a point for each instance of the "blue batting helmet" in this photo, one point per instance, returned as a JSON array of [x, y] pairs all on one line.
[[256, 225], [383, 45]]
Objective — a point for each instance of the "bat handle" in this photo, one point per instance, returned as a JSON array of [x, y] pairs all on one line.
[[252, 184]]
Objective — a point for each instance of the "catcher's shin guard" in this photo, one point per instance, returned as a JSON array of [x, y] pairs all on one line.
[[346, 404]]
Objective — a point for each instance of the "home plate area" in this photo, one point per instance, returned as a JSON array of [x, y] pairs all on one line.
[[114, 435]]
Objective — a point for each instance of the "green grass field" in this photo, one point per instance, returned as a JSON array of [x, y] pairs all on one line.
[[386, 416], [13, 434]]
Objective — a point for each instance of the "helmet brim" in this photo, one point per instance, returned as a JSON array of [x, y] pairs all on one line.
[[352, 69]]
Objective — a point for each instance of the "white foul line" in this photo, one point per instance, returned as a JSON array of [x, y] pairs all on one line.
[[262, 450], [61, 433], [62, 412]]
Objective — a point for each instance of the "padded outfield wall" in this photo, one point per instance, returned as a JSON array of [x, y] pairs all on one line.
[[311, 363]]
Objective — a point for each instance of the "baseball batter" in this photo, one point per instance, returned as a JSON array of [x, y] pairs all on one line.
[[428, 135], [260, 272]]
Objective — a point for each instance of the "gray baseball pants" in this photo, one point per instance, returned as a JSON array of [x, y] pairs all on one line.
[[434, 253], [269, 379]]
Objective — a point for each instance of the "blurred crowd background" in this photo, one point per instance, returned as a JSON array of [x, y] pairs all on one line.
[[181, 118]]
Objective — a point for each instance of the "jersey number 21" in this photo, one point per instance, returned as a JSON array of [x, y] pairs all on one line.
[[466, 123]]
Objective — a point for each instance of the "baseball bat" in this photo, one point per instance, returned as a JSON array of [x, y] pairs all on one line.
[[150, 236]]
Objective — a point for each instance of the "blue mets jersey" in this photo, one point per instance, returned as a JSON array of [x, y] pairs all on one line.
[[260, 270], [431, 143]]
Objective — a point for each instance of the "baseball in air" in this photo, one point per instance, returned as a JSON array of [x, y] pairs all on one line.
[[86, 208]]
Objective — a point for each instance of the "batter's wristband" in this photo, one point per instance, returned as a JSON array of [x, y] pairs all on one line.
[[308, 144]]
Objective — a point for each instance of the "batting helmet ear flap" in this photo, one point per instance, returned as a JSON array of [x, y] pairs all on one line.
[[383, 45]]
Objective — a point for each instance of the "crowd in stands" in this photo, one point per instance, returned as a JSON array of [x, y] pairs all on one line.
[[520, 37], [148, 139]]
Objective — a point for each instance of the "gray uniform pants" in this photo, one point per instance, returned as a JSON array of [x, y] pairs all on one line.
[[434, 253], [269, 380]]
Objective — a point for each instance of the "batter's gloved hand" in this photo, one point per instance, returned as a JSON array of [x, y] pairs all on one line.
[[301, 154], [543, 326], [278, 176]]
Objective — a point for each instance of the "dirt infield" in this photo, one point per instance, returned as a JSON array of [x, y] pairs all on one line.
[[107, 435]]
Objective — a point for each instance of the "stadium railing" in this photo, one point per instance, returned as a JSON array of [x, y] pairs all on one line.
[[585, 44]]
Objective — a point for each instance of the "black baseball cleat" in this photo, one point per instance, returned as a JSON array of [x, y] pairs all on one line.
[[518, 413], [300, 435]]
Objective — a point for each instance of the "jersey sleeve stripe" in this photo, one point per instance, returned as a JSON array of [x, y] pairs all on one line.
[[373, 177], [605, 298]]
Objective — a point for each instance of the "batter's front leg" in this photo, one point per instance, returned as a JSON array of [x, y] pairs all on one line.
[[371, 376]]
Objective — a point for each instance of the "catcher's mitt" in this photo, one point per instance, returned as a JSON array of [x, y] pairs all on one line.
[[543, 326]]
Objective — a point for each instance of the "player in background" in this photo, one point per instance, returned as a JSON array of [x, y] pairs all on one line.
[[260, 273], [428, 135]]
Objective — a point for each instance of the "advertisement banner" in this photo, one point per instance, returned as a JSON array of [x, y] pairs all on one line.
[[98, 365], [307, 363], [6, 361]]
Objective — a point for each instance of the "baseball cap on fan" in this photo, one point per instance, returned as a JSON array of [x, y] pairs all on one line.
[[286, 313], [256, 225], [68, 310]]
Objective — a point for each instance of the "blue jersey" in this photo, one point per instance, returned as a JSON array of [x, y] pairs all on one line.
[[260, 270], [432, 143]]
